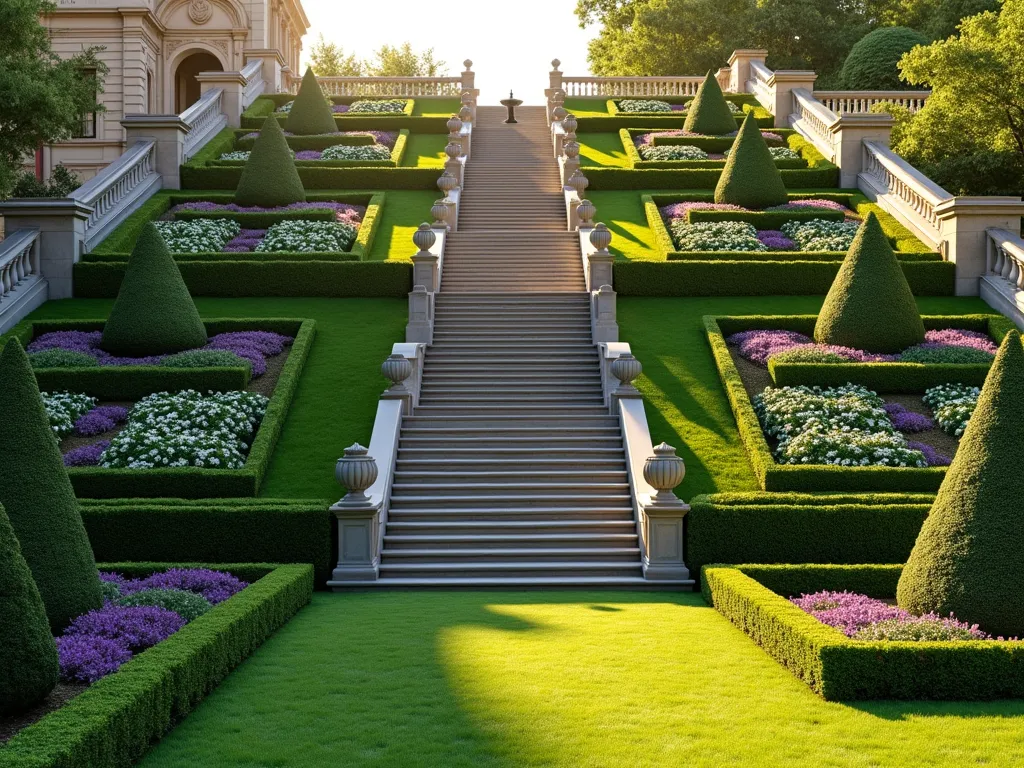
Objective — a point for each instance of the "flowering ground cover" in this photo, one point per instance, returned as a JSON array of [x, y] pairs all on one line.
[[642, 106], [227, 236], [383, 138], [361, 107], [336, 152]]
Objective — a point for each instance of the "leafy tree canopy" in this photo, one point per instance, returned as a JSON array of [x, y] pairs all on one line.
[[44, 96], [329, 60]]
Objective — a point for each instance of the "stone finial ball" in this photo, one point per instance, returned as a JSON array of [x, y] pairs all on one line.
[[454, 124], [468, 64], [424, 237], [356, 470], [569, 123], [555, 64], [625, 368], [453, 150], [447, 182], [664, 470], [558, 113], [579, 182], [600, 236], [439, 210]]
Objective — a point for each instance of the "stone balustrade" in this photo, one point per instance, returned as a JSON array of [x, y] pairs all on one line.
[[636, 87], [402, 87], [813, 120], [255, 85], [22, 287], [858, 102], [205, 119], [1002, 285]]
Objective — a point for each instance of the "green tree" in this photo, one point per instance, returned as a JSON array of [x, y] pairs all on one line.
[[403, 61], [873, 63], [329, 60], [936, 19], [44, 96], [977, 82]]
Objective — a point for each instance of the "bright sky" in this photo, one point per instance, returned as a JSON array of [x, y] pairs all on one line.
[[511, 42]]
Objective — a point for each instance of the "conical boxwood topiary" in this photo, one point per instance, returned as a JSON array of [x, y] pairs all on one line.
[[870, 305], [750, 178], [311, 114], [37, 494], [967, 558], [709, 112], [28, 655], [154, 313], [270, 177]]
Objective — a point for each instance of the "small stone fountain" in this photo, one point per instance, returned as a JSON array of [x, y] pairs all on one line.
[[510, 104]]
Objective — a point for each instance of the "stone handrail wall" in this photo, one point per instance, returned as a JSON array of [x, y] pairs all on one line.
[[1005, 258], [759, 84], [857, 102], [19, 260], [636, 86], [112, 191], [205, 119], [410, 87], [813, 120], [255, 85], [903, 190]]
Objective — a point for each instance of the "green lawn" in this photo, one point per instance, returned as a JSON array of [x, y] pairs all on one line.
[[601, 150], [445, 107], [425, 150], [623, 213], [340, 385], [404, 211], [686, 405], [552, 679], [587, 107]]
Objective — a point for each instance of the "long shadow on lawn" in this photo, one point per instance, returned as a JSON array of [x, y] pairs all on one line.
[[906, 710]]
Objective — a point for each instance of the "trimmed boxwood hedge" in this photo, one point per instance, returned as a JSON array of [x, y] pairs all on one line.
[[759, 278], [772, 476], [616, 120], [397, 153], [881, 377], [244, 530], [300, 143], [802, 528], [114, 721], [711, 144], [230, 278], [222, 177], [263, 107], [839, 668], [199, 482], [636, 160]]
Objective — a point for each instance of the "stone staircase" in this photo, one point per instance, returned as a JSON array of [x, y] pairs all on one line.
[[511, 472]]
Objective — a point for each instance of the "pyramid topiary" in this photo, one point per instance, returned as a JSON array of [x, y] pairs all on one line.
[[154, 313], [311, 113], [37, 494], [28, 655], [270, 178], [750, 178], [709, 112], [967, 558], [870, 305]]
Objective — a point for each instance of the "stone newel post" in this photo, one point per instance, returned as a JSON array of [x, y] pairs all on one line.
[[396, 369], [603, 320], [233, 85], [420, 328], [663, 515], [167, 132], [600, 262], [570, 161], [358, 517], [424, 263]]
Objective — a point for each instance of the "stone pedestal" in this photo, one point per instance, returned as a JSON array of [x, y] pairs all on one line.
[[233, 85], [358, 518], [61, 224], [739, 66], [168, 133], [962, 225], [782, 84], [604, 324], [420, 328], [663, 517], [849, 133]]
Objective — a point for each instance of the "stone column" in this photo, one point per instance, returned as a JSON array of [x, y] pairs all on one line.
[[604, 325], [468, 77], [962, 225], [739, 65], [782, 83], [663, 517], [358, 518], [168, 133], [61, 224], [849, 133], [234, 91], [554, 86]]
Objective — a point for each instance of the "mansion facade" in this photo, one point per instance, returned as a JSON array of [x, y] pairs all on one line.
[[154, 50]]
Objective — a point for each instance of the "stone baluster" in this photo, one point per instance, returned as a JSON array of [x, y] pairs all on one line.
[[439, 210], [396, 369], [358, 517], [570, 161], [599, 263], [662, 520], [424, 263]]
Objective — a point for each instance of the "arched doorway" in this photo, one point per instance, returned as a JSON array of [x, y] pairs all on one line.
[[186, 87]]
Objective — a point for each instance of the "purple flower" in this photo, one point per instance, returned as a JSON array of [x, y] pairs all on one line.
[[933, 457], [340, 109], [87, 658], [215, 586], [79, 341], [136, 627], [100, 419], [245, 241], [757, 345], [679, 210], [810, 202], [908, 421], [961, 338], [775, 240], [307, 154], [678, 107], [847, 611], [86, 455], [347, 212]]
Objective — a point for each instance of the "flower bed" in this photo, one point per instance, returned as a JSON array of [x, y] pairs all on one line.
[[363, 107], [684, 149], [896, 657], [338, 155], [670, 106], [118, 717], [245, 139]]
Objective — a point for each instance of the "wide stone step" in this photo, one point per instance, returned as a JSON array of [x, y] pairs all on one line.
[[522, 398], [519, 583], [472, 541], [579, 452], [471, 478], [511, 569], [458, 557], [450, 441], [569, 500], [511, 425], [527, 530], [508, 467]]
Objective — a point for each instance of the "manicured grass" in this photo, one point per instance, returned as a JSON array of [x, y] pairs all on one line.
[[686, 404], [587, 107], [404, 211], [602, 150], [425, 150], [436, 107], [553, 679], [623, 213], [337, 396]]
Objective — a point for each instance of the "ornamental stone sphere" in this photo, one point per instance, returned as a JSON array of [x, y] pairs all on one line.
[[424, 237], [555, 64], [357, 471], [571, 149], [569, 123], [600, 237], [579, 182], [454, 124], [664, 471], [558, 113], [465, 114], [453, 150], [625, 368], [468, 64]]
